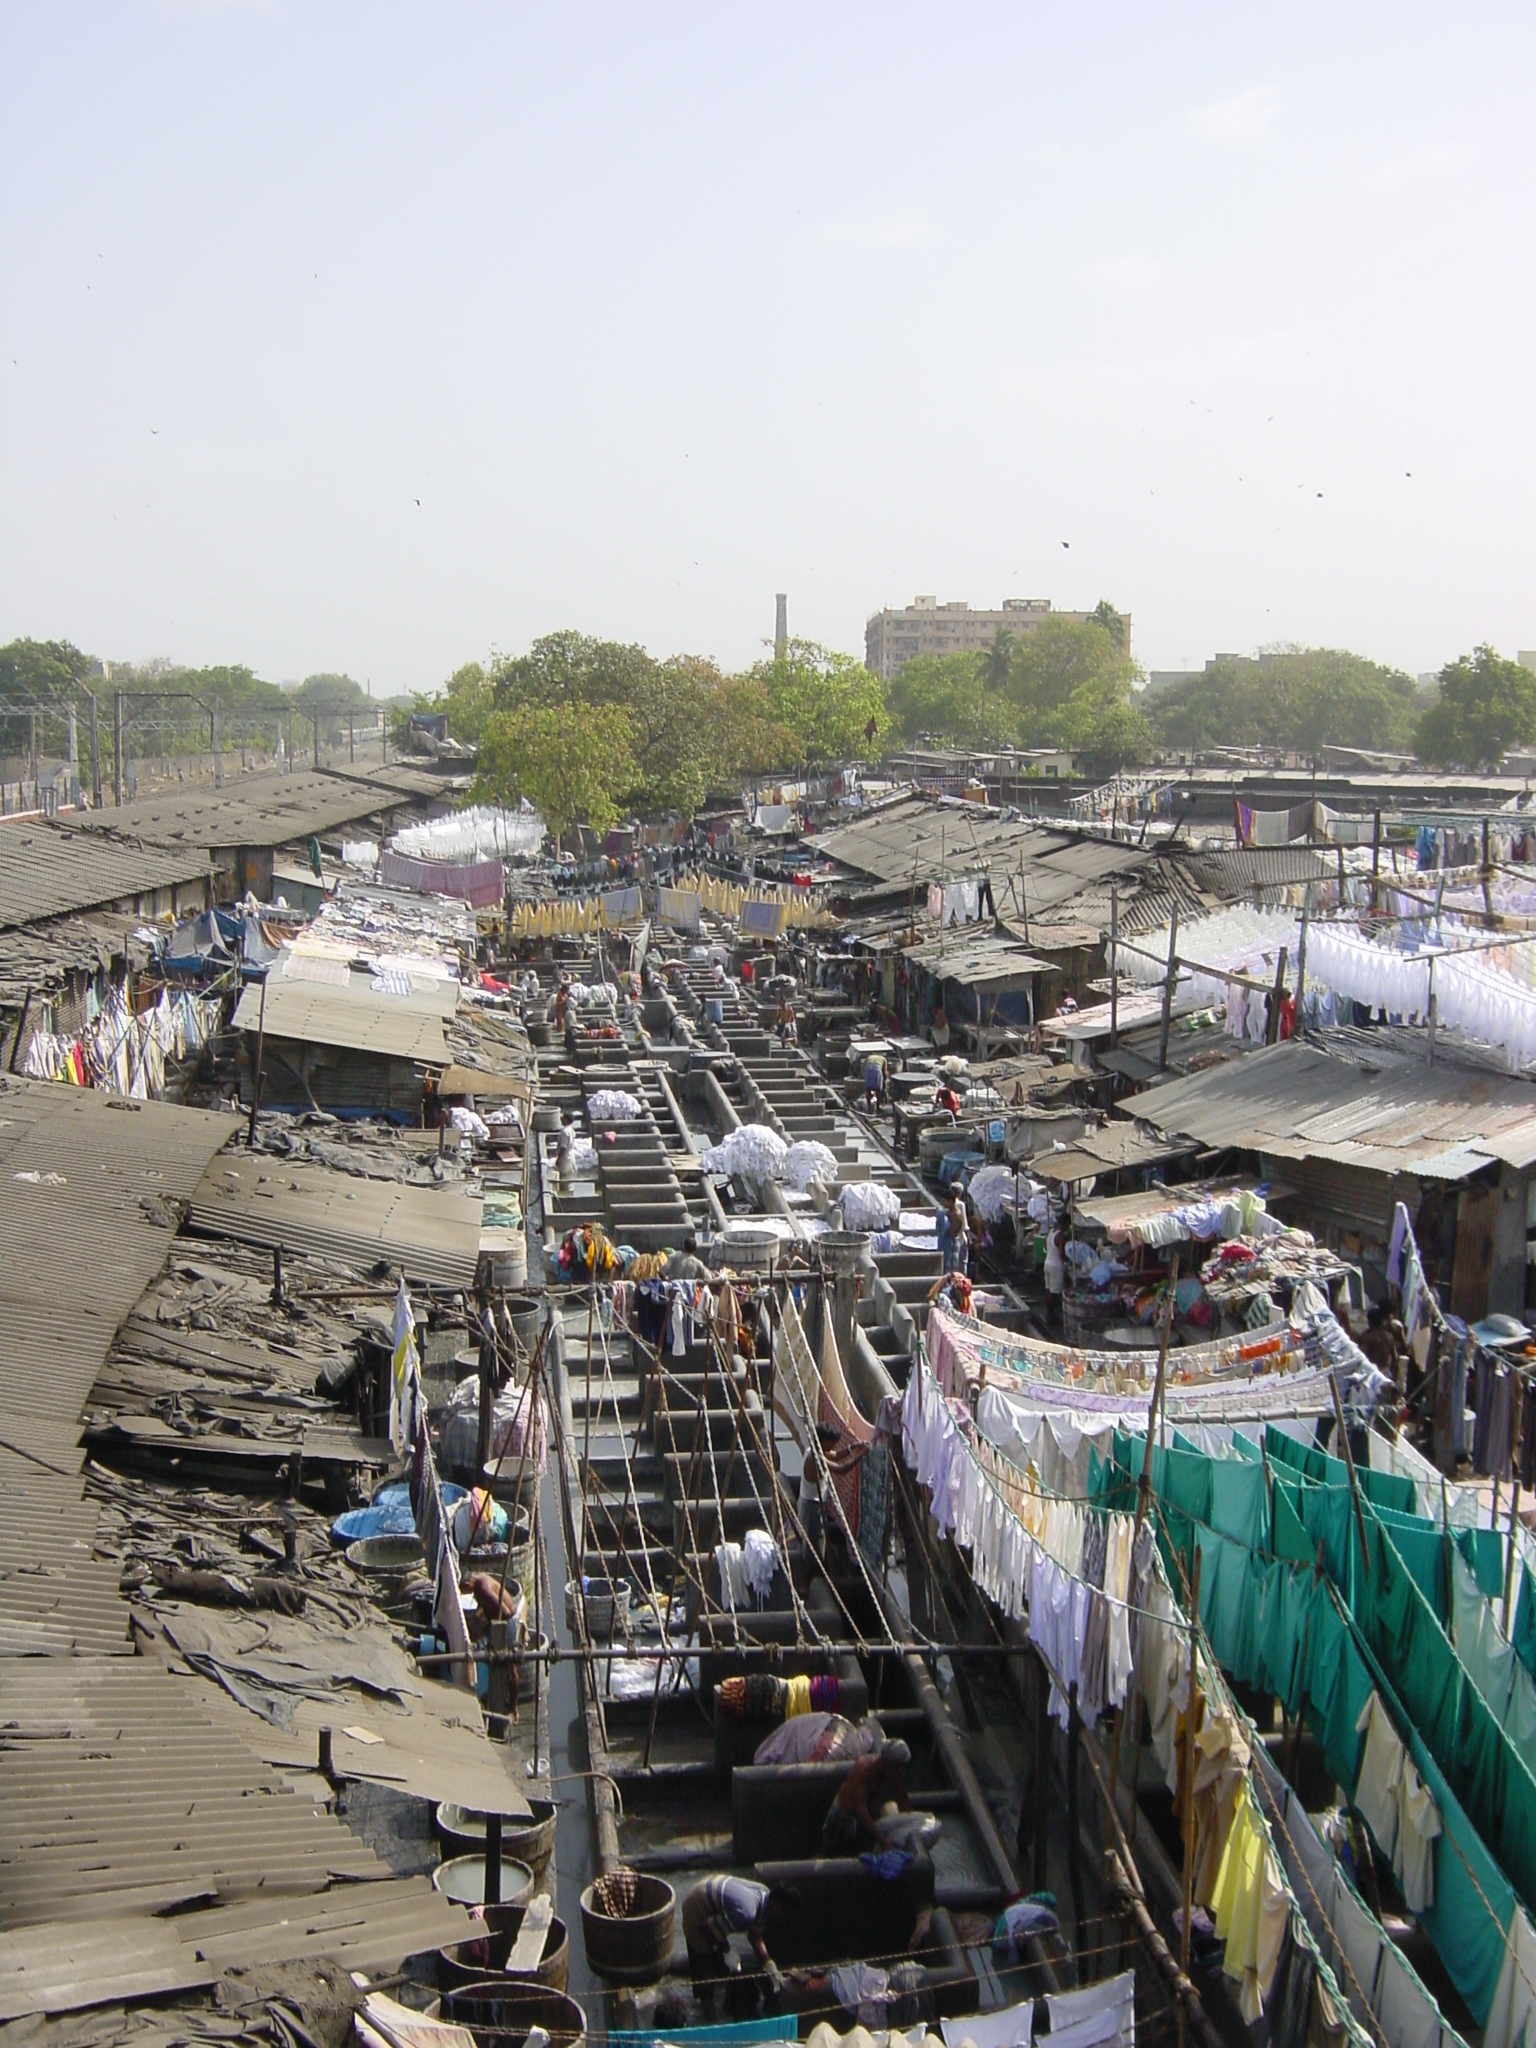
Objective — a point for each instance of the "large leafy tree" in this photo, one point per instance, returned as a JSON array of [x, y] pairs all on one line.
[[1486, 705], [829, 704], [572, 770], [963, 698], [1294, 699], [673, 713]]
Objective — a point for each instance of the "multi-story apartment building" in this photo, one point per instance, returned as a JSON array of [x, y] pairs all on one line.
[[893, 638]]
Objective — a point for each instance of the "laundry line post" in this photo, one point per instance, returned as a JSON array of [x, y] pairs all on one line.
[[1168, 980], [1515, 1434], [1114, 969], [1189, 1782]]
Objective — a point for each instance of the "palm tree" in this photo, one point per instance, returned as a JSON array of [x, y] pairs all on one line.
[[997, 669]]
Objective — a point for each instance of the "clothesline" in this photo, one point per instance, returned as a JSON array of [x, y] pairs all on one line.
[[1060, 1595]]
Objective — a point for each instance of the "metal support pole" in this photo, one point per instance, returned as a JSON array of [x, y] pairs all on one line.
[[95, 757], [1114, 966], [117, 747]]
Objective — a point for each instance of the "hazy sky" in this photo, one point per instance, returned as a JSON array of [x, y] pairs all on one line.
[[367, 339]]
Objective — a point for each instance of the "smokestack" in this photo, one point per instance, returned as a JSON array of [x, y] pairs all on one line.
[[781, 626]]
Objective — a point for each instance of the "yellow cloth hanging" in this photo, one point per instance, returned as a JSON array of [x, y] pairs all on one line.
[[797, 1698]]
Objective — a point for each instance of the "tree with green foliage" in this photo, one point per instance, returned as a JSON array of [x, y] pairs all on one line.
[[1486, 705], [829, 704], [469, 699], [573, 770], [1059, 683], [962, 699], [672, 713], [1290, 699]]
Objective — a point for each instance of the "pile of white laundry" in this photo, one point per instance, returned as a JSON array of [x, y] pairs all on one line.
[[753, 1153], [614, 1106], [867, 1205]]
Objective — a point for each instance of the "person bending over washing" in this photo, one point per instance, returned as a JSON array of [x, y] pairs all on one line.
[[874, 1782]]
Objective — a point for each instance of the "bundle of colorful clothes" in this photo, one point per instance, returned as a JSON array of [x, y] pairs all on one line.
[[587, 1253], [761, 1698]]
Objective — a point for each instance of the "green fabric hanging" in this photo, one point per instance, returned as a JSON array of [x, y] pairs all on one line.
[[1240, 1502], [1469, 1943], [1422, 1547], [1291, 1539], [1525, 1619], [1484, 1550], [1480, 1762], [1328, 1517], [1187, 1482]]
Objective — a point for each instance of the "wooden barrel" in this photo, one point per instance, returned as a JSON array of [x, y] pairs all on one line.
[[501, 2010], [638, 1948], [477, 1961]]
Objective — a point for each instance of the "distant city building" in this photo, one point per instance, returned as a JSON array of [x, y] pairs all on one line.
[[893, 638], [1527, 657]]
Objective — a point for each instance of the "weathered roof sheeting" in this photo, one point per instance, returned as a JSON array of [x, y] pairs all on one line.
[[89, 1185], [264, 809], [311, 1013], [976, 957], [432, 1234], [1297, 1101], [129, 1790], [48, 869]]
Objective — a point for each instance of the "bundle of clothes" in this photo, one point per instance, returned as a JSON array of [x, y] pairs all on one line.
[[760, 1697]]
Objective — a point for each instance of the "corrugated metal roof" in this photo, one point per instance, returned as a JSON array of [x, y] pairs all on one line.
[[49, 869], [128, 1790], [916, 837], [265, 809], [1108, 1150], [976, 958], [431, 1233], [1234, 872], [1298, 1101], [311, 1013], [1111, 1212]]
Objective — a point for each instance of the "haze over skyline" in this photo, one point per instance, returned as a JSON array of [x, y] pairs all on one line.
[[366, 341]]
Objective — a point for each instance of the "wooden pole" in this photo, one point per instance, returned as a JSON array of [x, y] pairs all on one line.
[[1074, 1832], [261, 1040], [1042, 1773], [1516, 1431], [1272, 1027], [1168, 981], [1114, 969], [1144, 1488], [1189, 1778], [1376, 864], [1354, 1481]]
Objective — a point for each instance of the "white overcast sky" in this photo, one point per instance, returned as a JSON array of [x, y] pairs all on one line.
[[369, 338]]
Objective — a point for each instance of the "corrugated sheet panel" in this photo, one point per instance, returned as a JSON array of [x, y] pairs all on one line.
[[1298, 1101], [431, 1233], [265, 809], [1234, 872], [50, 869], [309, 1013]]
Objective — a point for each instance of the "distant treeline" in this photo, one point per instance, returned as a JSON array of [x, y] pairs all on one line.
[[168, 709]]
